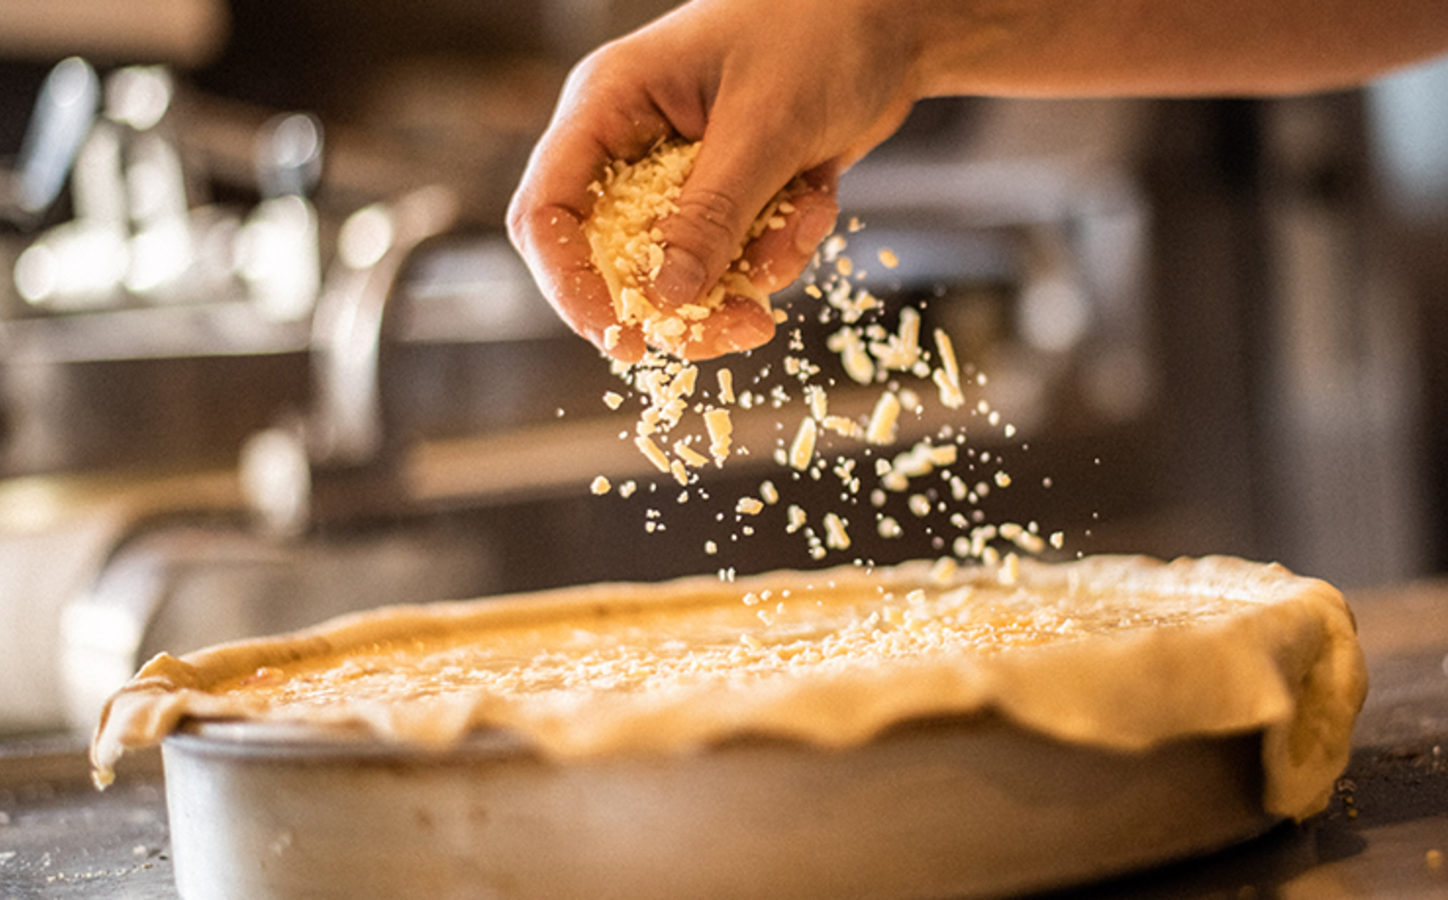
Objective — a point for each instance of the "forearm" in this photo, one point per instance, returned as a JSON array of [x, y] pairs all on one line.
[[1075, 48]]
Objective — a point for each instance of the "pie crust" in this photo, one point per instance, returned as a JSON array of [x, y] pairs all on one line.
[[1121, 653]]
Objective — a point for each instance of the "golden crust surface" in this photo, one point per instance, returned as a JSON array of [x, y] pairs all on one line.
[[1111, 651]]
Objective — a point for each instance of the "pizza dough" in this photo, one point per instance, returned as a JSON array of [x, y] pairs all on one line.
[[1109, 652]]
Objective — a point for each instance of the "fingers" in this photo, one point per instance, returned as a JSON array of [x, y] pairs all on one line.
[[736, 173], [778, 256], [546, 214], [739, 324], [552, 243]]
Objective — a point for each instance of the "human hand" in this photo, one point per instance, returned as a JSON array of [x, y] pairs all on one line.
[[774, 91]]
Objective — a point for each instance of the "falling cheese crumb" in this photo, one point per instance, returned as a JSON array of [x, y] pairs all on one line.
[[881, 429], [748, 506], [652, 453], [688, 455], [842, 426], [947, 377], [818, 400], [720, 429], [768, 492], [726, 386], [853, 355], [600, 485], [801, 451], [612, 400]]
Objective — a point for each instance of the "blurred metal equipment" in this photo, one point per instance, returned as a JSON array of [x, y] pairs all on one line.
[[132, 231], [343, 453], [65, 109], [278, 251]]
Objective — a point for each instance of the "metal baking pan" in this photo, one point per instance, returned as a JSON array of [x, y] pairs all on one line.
[[962, 807]]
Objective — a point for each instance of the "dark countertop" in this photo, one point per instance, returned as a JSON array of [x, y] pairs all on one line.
[[1385, 833]]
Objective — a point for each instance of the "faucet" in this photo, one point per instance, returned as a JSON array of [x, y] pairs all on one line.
[[339, 459]]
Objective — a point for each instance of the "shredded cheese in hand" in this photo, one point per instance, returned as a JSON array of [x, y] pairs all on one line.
[[628, 250]]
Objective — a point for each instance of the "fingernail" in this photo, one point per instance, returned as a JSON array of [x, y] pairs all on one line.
[[815, 224], [681, 278]]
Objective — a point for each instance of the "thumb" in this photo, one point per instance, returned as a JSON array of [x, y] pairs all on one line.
[[734, 176]]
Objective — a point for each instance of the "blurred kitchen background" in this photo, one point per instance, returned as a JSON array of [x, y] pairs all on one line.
[[266, 355]]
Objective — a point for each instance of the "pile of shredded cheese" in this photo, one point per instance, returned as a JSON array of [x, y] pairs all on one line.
[[628, 249]]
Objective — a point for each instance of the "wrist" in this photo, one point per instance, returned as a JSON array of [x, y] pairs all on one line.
[[959, 45]]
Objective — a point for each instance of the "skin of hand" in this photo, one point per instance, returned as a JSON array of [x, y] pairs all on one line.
[[775, 89], [771, 96]]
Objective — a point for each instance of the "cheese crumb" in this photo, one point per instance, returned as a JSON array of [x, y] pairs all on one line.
[[627, 251], [801, 451], [612, 400], [818, 400], [720, 428], [947, 377], [853, 355], [748, 506], [726, 386], [688, 455], [768, 492], [652, 453], [600, 485], [881, 429]]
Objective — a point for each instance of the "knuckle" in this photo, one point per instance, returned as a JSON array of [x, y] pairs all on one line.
[[711, 217]]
